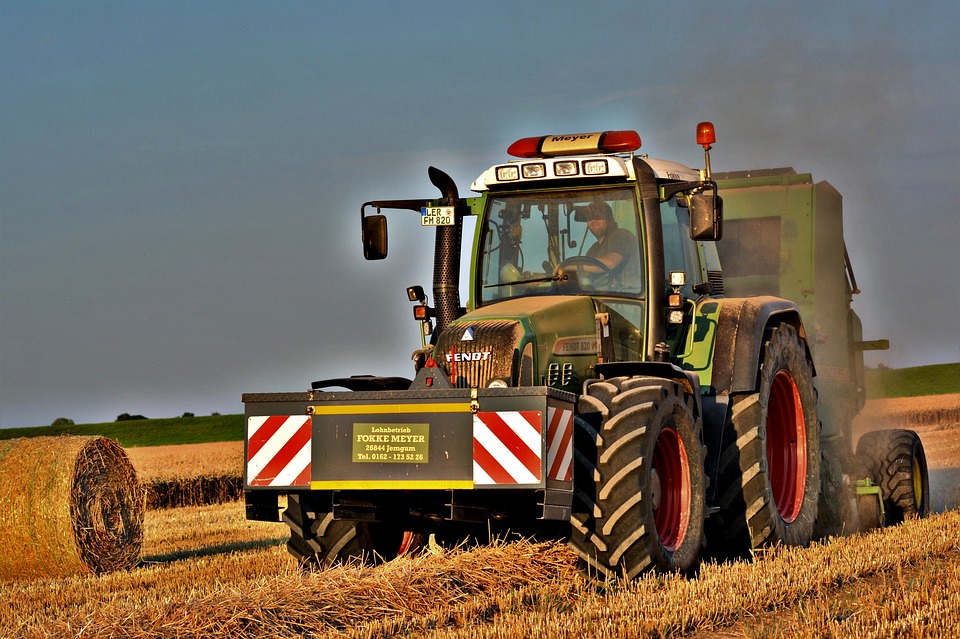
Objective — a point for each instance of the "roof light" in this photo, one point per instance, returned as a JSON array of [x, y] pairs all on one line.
[[535, 170], [576, 144], [595, 167], [706, 137], [565, 168], [706, 134], [508, 173]]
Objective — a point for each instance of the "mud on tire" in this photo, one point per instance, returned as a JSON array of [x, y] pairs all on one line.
[[639, 479], [895, 461], [769, 474]]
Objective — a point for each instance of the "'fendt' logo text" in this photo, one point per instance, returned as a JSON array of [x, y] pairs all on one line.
[[468, 357]]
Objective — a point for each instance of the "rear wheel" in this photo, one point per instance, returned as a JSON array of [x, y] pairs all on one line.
[[317, 539], [639, 479], [895, 461], [769, 474]]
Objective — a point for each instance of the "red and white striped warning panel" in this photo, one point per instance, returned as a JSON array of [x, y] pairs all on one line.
[[278, 450], [559, 443], [507, 448]]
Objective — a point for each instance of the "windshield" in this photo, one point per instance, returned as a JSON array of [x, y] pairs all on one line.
[[561, 242]]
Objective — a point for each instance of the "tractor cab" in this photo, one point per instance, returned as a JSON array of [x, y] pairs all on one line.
[[584, 252], [581, 216], [571, 217]]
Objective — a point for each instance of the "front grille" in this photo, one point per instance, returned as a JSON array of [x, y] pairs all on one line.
[[491, 354]]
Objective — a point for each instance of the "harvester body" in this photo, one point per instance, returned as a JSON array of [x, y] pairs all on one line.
[[784, 237], [608, 381]]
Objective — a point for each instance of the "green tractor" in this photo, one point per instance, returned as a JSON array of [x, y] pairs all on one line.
[[607, 382]]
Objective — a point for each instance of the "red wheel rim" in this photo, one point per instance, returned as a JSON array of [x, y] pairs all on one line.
[[672, 515], [410, 542], [786, 446]]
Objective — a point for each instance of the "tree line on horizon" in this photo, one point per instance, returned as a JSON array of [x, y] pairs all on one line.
[[122, 417]]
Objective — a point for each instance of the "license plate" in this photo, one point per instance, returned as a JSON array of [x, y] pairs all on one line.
[[436, 216]]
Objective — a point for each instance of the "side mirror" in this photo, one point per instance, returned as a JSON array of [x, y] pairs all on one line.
[[374, 237], [706, 216]]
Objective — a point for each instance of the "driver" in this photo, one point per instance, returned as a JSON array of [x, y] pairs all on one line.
[[617, 248]]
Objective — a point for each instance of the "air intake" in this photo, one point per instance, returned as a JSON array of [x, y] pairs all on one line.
[[716, 282]]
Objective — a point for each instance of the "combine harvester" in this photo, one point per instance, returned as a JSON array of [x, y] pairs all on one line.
[[607, 382]]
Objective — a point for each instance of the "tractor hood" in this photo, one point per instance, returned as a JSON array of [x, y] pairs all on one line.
[[521, 342]]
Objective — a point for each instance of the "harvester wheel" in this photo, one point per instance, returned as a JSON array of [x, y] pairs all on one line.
[[317, 539], [868, 511], [895, 461], [639, 479], [769, 473]]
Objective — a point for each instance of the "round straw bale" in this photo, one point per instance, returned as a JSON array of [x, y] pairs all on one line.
[[68, 506]]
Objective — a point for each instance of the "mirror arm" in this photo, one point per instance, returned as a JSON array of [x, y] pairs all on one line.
[[409, 205], [669, 190]]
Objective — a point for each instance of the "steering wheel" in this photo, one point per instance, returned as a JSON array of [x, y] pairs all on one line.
[[579, 261]]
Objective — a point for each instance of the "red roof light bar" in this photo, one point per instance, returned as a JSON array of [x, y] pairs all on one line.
[[525, 148], [547, 146]]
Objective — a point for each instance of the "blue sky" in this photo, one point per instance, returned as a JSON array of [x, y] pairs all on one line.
[[180, 182]]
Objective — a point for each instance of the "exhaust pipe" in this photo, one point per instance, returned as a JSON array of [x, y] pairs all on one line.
[[446, 255]]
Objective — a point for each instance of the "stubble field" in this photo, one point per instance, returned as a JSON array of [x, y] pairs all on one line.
[[207, 572]]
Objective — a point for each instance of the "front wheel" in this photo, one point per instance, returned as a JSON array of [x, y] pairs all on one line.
[[639, 476], [317, 539], [769, 474]]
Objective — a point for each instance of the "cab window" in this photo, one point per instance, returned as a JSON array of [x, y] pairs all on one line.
[[561, 242], [679, 251]]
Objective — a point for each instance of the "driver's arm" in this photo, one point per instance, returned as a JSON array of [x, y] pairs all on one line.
[[611, 259]]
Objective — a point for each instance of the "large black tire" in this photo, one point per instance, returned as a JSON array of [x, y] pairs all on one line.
[[639, 479], [769, 473], [895, 461], [317, 539]]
